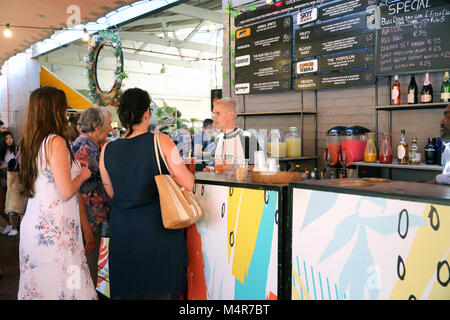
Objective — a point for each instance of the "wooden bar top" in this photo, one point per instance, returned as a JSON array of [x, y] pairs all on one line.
[[411, 191], [222, 179]]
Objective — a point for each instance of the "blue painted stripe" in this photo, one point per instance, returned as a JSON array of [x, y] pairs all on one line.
[[337, 295], [329, 292], [301, 292], [314, 285], [306, 276], [321, 290]]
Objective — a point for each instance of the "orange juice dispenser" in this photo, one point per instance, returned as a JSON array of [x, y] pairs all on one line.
[[333, 139], [353, 145]]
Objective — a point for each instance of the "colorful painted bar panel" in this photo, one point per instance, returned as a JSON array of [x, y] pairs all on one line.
[[358, 247], [233, 250]]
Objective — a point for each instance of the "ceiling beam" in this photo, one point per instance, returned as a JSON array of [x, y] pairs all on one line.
[[158, 20], [143, 37], [196, 12], [206, 65]]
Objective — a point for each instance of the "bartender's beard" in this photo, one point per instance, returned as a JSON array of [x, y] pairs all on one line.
[[445, 129]]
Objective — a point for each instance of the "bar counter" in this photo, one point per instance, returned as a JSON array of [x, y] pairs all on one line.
[[235, 250], [388, 240], [319, 241]]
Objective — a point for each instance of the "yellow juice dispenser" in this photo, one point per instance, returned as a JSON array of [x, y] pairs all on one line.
[[276, 146], [293, 144]]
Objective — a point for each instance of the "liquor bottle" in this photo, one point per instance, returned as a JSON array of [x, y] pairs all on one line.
[[413, 91], [445, 88], [402, 149], [430, 152], [313, 175], [426, 95], [414, 153], [316, 174], [396, 92]]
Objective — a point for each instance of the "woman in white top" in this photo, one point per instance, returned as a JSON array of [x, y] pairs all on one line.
[[8, 151]]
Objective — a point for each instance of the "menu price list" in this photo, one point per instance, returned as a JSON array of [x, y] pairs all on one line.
[[336, 80], [414, 40], [263, 60]]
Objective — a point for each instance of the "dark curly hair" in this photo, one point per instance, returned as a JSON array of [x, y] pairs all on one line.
[[132, 106], [4, 147]]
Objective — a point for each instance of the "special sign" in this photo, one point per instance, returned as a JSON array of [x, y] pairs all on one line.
[[263, 57]]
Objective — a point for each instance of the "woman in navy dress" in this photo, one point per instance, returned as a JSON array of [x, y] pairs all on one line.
[[146, 261]]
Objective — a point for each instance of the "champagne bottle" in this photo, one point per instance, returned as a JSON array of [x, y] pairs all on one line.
[[427, 90], [413, 91], [445, 88], [396, 92], [402, 149]]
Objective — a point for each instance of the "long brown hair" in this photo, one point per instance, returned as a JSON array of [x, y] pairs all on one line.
[[46, 115]]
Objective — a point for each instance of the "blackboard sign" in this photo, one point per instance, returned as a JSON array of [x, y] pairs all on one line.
[[334, 44], [414, 36], [337, 27], [337, 62], [273, 10], [342, 8], [336, 80], [263, 60]]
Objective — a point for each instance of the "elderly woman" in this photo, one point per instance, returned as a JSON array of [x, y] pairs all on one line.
[[95, 124]]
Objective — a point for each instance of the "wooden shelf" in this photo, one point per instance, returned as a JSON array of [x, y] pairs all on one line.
[[283, 159], [413, 106], [277, 113], [395, 165]]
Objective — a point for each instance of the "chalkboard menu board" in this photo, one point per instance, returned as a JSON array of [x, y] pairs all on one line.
[[414, 36], [263, 57], [336, 80], [342, 8], [273, 10], [337, 62]]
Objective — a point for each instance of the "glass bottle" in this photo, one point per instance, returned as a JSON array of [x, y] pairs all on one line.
[[370, 153], [413, 91], [427, 90], [430, 152], [293, 143], [386, 150], [414, 153], [396, 92], [445, 88], [402, 149]]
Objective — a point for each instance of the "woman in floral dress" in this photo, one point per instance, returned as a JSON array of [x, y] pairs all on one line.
[[51, 254]]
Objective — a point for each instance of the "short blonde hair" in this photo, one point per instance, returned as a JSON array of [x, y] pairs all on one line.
[[229, 102]]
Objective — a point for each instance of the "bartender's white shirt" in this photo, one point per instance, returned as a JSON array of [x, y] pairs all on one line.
[[444, 178]]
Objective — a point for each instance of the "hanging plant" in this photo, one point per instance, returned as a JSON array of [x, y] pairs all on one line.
[[98, 41]]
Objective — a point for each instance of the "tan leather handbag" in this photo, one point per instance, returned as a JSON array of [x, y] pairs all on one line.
[[15, 203], [179, 207]]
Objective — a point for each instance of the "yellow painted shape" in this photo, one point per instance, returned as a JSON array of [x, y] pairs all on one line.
[[428, 248], [232, 213], [295, 293], [74, 99], [439, 292], [249, 218]]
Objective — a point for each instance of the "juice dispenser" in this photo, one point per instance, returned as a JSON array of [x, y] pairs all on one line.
[[276, 145], [353, 145], [293, 143], [333, 139]]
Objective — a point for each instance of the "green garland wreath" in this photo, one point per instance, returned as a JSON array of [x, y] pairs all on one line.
[[104, 37]]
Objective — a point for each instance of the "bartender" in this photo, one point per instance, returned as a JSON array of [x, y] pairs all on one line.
[[444, 177], [232, 144]]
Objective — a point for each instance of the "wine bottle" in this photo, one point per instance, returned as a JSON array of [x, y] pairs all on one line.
[[445, 88], [396, 92], [402, 150], [430, 152], [413, 91], [427, 90]]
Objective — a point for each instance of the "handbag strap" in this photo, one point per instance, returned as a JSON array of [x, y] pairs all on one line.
[[158, 151]]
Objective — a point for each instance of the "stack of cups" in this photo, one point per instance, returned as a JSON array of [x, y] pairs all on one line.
[[272, 165], [260, 161]]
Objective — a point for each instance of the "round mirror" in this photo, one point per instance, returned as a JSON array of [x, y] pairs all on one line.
[[104, 72]]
